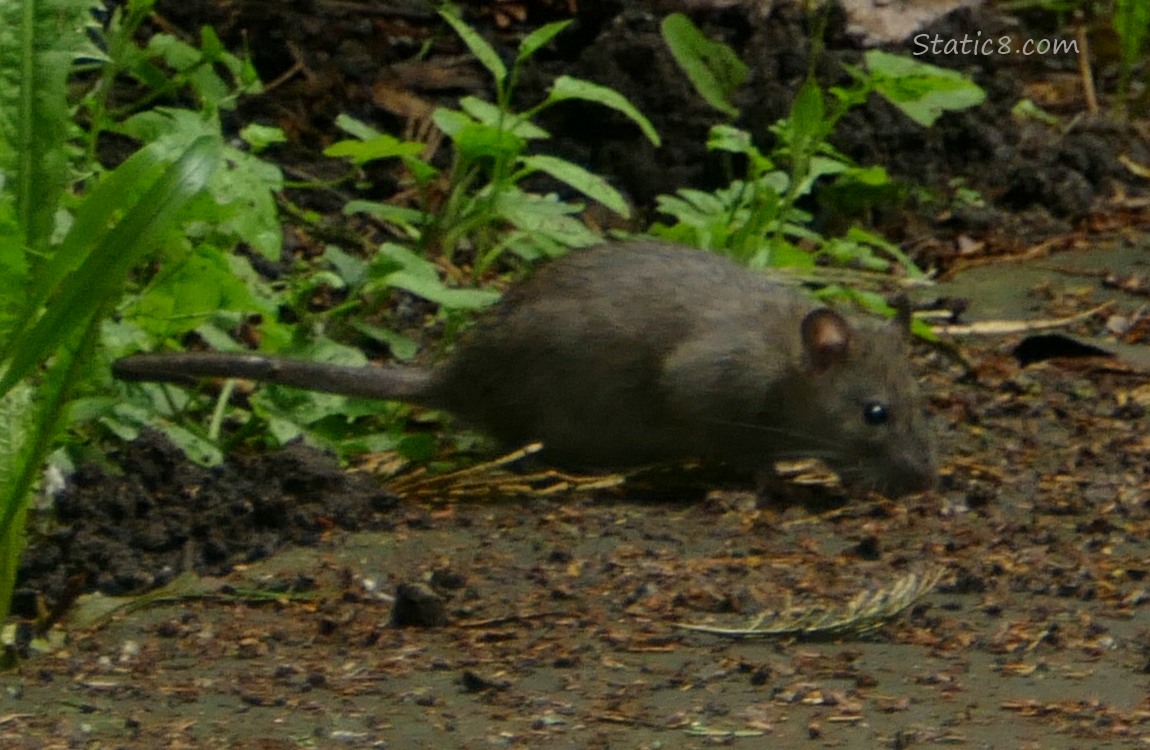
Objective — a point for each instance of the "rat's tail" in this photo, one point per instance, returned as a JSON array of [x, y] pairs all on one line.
[[393, 383]]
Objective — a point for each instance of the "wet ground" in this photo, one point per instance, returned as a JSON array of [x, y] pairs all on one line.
[[552, 620]]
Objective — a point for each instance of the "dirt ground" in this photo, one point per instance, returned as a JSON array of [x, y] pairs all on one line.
[[551, 621]]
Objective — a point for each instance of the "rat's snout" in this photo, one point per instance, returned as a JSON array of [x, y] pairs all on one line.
[[913, 471]]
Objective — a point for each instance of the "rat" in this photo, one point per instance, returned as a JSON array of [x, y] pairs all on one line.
[[632, 353]]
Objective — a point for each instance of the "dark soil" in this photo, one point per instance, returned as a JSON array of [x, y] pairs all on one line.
[[550, 621], [152, 514]]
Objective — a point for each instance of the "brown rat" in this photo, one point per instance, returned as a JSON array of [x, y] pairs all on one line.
[[635, 353]]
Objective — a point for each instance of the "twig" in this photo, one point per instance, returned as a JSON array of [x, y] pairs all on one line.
[[1010, 327]]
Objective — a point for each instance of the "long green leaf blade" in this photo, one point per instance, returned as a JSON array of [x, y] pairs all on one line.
[[479, 47], [566, 87], [588, 183], [31, 418], [106, 266], [16, 418], [713, 68], [538, 38]]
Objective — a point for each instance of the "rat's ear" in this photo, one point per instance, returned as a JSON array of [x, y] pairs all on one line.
[[826, 338]]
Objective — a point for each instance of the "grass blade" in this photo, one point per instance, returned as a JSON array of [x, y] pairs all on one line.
[[121, 245]]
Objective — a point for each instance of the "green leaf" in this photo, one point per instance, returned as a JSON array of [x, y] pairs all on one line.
[[38, 43], [177, 53], [440, 294], [538, 38], [189, 290], [708, 203], [786, 255], [401, 347], [409, 219], [244, 190], [399, 267], [566, 87], [260, 137], [127, 419], [126, 233], [478, 141], [92, 222], [451, 121], [730, 138], [489, 114], [864, 237], [546, 216], [817, 168], [712, 67], [923, 92], [1132, 23], [392, 257], [380, 146], [197, 68], [355, 128], [350, 269], [738, 141], [479, 47], [588, 183], [14, 266], [874, 176], [211, 47], [17, 421], [808, 115], [31, 427]]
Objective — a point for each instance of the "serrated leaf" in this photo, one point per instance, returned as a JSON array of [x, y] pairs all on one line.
[[17, 411], [38, 43]]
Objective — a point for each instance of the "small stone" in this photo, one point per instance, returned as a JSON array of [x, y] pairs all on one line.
[[417, 605]]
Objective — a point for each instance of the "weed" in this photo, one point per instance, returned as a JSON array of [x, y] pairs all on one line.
[[69, 253], [756, 218], [490, 160]]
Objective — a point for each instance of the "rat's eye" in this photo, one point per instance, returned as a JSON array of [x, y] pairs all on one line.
[[876, 413]]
